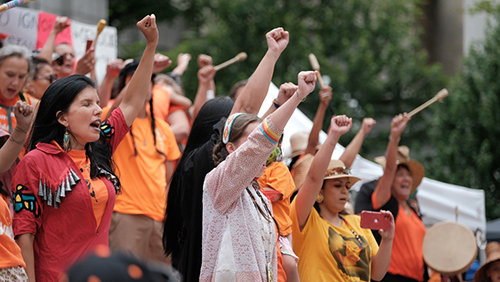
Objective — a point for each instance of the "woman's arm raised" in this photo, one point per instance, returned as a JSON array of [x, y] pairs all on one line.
[[384, 184], [314, 180]]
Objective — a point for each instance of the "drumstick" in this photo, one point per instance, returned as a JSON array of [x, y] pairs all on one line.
[[239, 58], [439, 96], [315, 66], [11, 4], [100, 27]]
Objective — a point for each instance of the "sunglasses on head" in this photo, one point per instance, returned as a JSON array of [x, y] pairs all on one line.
[[50, 77]]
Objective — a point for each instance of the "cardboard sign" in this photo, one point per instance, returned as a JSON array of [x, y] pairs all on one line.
[[20, 25]]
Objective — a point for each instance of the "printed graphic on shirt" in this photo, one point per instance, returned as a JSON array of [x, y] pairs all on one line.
[[107, 130], [25, 201], [353, 261]]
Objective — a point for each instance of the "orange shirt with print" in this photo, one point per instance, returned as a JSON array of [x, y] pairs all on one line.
[[143, 176]]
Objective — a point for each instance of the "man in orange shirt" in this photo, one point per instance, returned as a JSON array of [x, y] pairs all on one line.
[[144, 162]]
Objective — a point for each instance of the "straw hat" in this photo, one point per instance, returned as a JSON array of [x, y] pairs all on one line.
[[298, 143], [492, 254], [337, 169], [300, 169], [403, 158]]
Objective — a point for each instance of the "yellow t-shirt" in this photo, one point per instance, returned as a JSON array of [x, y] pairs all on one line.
[[330, 253], [97, 188], [143, 177]]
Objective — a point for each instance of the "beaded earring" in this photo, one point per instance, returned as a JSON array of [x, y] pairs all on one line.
[[66, 140]]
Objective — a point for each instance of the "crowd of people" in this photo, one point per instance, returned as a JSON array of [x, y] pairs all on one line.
[[189, 190]]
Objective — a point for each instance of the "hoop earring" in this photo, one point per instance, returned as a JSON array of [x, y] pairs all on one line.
[[320, 198], [66, 140]]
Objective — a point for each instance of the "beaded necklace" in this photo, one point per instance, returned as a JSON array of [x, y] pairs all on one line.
[[353, 232], [267, 215]]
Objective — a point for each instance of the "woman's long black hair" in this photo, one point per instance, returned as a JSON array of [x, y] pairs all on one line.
[[201, 132], [46, 127]]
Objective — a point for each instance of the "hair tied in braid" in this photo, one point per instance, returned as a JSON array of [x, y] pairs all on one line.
[[227, 127]]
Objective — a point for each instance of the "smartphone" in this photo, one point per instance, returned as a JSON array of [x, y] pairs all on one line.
[[375, 220]]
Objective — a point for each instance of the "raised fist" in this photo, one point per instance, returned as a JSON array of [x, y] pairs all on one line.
[[306, 82], [148, 27], [340, 124], [286, 91], [277, 40]]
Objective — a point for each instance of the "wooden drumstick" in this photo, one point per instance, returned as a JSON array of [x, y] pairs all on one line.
[[439, 96], [100, 27], [11, 4], [239, 58], [315, 66]]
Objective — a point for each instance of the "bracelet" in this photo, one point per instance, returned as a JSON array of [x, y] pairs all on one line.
[[15, 141], [396, 140], [276, 104], [21, 130]]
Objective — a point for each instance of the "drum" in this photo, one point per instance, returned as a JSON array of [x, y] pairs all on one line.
[[449, 248]]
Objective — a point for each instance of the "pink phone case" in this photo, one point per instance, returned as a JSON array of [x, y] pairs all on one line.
[[374, 220]]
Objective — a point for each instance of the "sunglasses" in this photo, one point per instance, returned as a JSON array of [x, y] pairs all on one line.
[[50, 77], [60, 61]]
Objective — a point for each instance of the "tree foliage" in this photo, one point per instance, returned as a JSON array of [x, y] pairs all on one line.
[[466, 130], [124, 13], [370, 50]]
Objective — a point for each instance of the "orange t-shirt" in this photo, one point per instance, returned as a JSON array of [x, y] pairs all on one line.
[[278, 177], [161, 102], [407, 258], [143, 176], [97, 188], [10, 253]]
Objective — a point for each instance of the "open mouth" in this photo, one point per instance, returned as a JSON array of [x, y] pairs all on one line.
[[405, 186], [96, 125]]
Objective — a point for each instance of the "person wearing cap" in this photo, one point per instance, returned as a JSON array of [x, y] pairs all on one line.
[[392, 192], [332, 246], [490, 270], [144, 163]]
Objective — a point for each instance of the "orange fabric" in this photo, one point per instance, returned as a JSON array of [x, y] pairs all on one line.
[[97, 188], [143, 177], [10, 253], [407, 250], [278, 177], [281, 270], [161, 102]]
